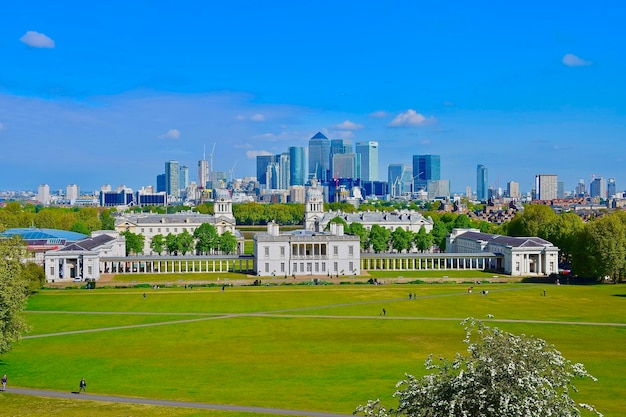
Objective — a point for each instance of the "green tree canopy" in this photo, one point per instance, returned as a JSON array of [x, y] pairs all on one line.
[[134, 242], [423, 240], [227, 243], [532, 221], [379, 238], [401, 239], [359, 230], [206, 238], [172, 243], [14, 287], [157, 243], [502, 375], [185, 242]]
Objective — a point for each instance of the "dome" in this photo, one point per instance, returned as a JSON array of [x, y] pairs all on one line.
[[222, 194], [314, 194]]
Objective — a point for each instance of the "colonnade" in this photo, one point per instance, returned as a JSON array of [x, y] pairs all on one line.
[[168, 266], [450, 261]]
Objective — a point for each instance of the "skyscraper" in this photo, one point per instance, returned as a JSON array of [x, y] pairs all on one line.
[[345, 165], [546, 186], [611, 188], [43, 194], [395, 179], [160, 184], [481, 183], [296, 165], [203, 170], [72, 193], [513, 189], [262, 162], [171, 178], [183, 177], [425, 168], [369, 160], [598, 188], [319, 157], [285, 169]]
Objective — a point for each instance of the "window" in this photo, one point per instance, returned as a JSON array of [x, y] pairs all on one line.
[[335, 266], [351, 266], [142, 230], [301, 266], [517, 266], [295, 267], [176, 230], [150, 230], [89, 271], [282, 267], [335, 250], [282, 251], [317, 267], [52, 270], [323, 267], [267, 267], [351, 250], [159, 230], [267, 251], [308, 267]]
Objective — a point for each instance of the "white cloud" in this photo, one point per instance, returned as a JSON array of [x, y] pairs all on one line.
[[257, 117], [37, 40], [170, 134], [348, 125], [411, 118], [572, 60], [344, 134], [379, 114], [254, 154]]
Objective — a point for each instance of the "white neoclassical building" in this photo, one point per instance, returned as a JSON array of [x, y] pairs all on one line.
[[150, 224], [316, 219], [305, 252], [81, 260], [521, 256]]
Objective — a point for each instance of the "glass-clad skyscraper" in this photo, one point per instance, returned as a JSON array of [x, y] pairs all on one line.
[[319, 157], [481, 183], [171, 178], [296, 165], [425, 168], [369, 160]]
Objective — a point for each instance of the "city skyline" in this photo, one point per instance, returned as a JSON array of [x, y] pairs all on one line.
[[107, 93]]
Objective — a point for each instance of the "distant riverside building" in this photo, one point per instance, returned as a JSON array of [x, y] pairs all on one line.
[[438, 189], [183, 177], [43, 194], [297, 168], [513, 189], [339, 146], [611, 188], [546, 186], [560, 189], [39, 241], [399, 179], [425, 168], [160, 183], [481, 183], [345, 166], [598, 188], [520, 256], [368, 152], [203, 171], [319, 157], [285, 169], [171, 179], [262, 162], [122, 197], [72, 193]]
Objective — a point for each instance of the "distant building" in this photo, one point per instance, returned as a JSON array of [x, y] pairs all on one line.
[[72, 193], [121, 197], [183, 178], [513, 189], [611, 188], [482, 183], [520, 256], [319, 157], [438, 189], [171, 179], [262, 162], [160, 183], [546, 187], [39, 241], [305, 252], [297, 167], [368, 152], [425, 168], [43, 194], [395, 179], [598, 188], [345, 165]]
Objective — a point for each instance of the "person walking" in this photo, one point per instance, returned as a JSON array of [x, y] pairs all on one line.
[[4, 382], [82, 386]]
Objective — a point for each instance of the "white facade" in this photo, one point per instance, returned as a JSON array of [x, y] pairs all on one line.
[[81, 260], [546, 186], [72, 193], [43, 194], [522, 256], [303, 252]]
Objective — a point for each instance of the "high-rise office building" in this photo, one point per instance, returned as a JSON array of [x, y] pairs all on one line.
[[319, 157], [611, 188], [285, 169], [482, 182], [160, 183], [598, 188], [395, 179], [345, 165], [512, 189], [203, 170], [71, 193], [369, 160], [425, 168], [546, 187], [560, 189], [581, 190], [183, 177], [262, 162], [171, 178], [43, 194], [296, 165]]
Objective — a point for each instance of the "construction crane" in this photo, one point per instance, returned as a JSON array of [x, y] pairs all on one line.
[[232, 171], [211, 176]]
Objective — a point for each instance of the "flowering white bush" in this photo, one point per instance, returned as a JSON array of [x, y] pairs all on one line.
[[503, 375]]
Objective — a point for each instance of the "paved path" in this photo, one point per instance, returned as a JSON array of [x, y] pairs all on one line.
[[167, 403]]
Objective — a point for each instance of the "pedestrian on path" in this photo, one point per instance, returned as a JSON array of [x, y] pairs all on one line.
[[83, 386], [4, 382]]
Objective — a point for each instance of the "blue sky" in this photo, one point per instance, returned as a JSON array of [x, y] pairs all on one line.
[[105, 93]]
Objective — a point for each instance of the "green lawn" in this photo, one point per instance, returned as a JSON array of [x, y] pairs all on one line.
[[324, 348]]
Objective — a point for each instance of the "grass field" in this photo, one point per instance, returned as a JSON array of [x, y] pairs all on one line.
[[324, 348]]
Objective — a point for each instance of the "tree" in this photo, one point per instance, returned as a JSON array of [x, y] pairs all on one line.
[[13, 292], [601, 248], [185, 242], [439, 233], [359, 230], [462, 222], [532, 221], [227, 243], [206, 238], [422, 240], [379, 238], [34, 275], [502, 375], [338, 220], [401, 239], [564, 232], [108, 222], [134, 242], [157, 243], [171, 243]]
